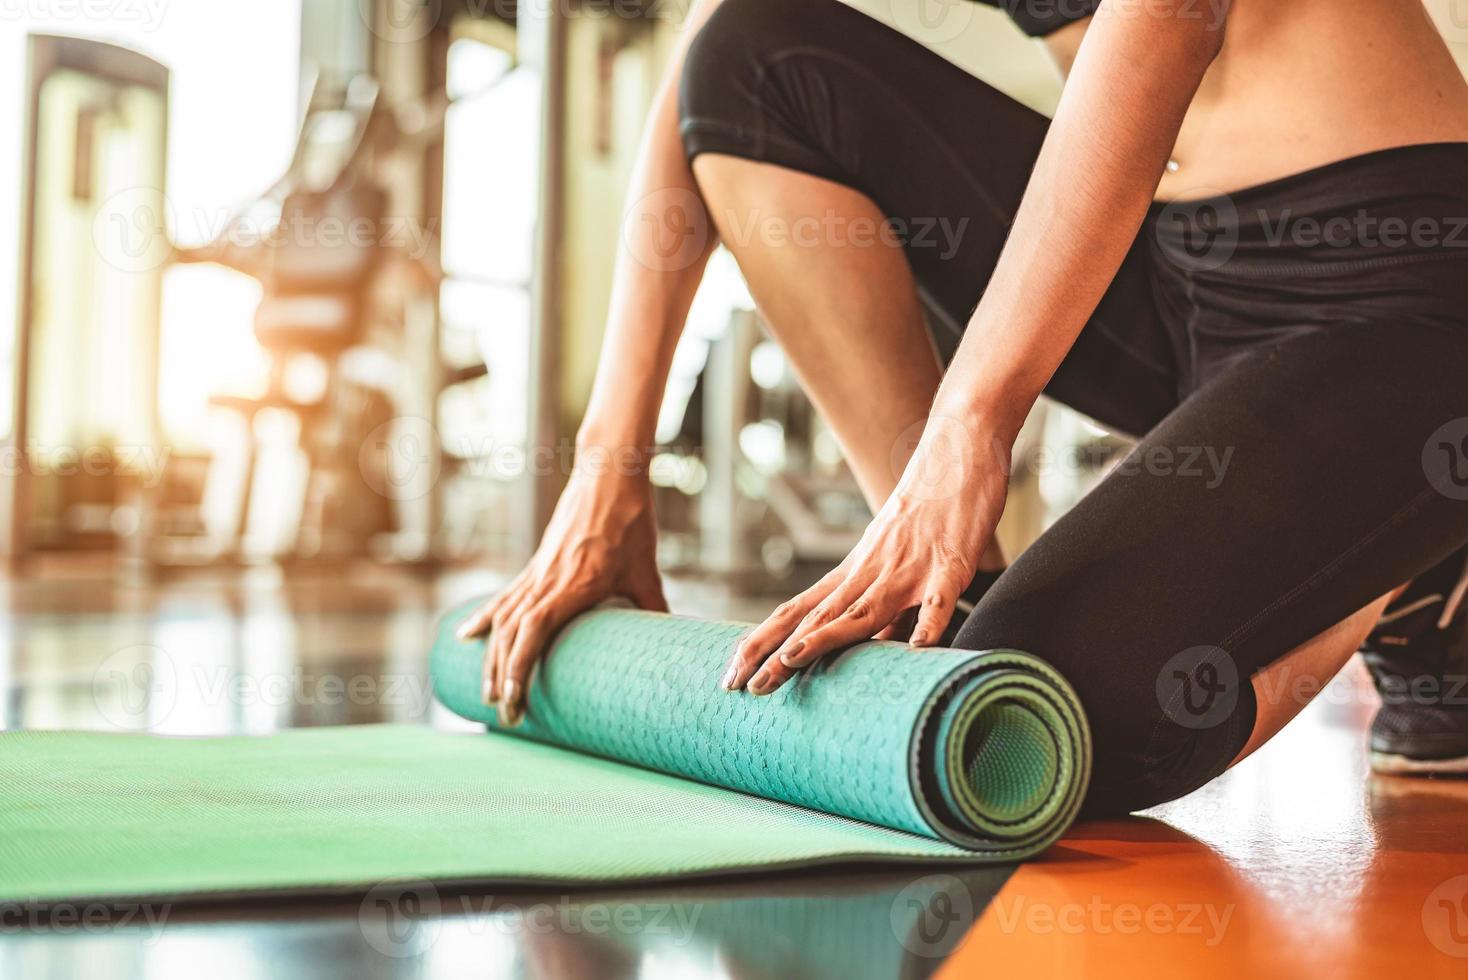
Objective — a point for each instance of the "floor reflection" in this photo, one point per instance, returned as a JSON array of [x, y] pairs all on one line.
[[850, 926], [1296, 863]]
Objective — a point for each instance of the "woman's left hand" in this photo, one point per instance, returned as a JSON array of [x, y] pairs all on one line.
[[918, 554]]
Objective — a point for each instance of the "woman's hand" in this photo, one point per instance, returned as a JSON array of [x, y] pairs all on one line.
[[917, 555], [601, 542]]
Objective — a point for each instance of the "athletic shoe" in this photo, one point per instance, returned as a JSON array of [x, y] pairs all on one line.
[[1418, 656]]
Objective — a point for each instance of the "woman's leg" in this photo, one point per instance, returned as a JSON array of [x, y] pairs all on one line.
[[852, 171], [846, 315], [1218, 578], [1282, 689]]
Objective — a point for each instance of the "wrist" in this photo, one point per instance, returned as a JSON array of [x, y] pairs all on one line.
[[956, 460], [978, 438], [604, 456], [609, 499], [981, 431]]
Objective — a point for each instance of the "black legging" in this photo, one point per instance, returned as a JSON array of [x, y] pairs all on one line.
[[1294, 357]]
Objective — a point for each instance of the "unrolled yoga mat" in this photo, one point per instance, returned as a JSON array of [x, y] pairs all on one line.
[[632, 764]]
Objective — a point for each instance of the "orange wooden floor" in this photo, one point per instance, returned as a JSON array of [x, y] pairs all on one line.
[[1298, 863]]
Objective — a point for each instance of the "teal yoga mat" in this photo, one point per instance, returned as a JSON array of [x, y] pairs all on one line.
[[632, 765]]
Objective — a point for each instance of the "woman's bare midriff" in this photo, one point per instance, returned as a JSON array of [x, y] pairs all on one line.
[[1305, 83]]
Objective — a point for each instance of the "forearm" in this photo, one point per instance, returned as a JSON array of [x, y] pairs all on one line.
[[1133, 80], [665, 244]]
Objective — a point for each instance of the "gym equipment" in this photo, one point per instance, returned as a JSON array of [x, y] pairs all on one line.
[[79, 430], [632, 764]]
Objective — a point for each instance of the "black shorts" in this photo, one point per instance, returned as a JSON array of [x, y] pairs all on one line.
[[1294, 358]]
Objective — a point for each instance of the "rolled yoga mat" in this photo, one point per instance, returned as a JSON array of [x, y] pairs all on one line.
[[987, 751], [632, 764]]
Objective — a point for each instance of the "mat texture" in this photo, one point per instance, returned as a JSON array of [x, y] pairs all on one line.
[[877, 754]]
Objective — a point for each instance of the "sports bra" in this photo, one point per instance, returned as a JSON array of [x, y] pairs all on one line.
[[1040, 17]]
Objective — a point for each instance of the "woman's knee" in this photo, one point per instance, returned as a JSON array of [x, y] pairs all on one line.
[[1164, 721]]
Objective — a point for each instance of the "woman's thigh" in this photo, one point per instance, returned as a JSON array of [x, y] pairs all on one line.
[[1303, 482], [819, 87]]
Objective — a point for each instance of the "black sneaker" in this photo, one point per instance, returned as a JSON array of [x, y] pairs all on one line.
[[1420, 665]]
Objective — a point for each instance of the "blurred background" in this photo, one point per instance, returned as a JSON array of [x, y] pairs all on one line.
[[299, 288], [300, 303]]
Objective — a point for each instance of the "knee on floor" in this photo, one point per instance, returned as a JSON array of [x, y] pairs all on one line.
[[1163, 722]]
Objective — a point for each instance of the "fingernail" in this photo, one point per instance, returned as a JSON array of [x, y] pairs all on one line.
[[510, 709], [788, 658], [463, 631], [486, 693], [757, 686], [729, 678], [918, 639]]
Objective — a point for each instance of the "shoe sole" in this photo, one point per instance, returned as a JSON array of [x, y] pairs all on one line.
[[1401, 765]]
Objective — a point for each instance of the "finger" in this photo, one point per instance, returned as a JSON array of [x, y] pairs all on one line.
[[491, 609], [830, 609], [479, 619], [764, 638], [805, 646], [770, 677], [934, 615], [900, 628], [859, 621], [535, 630], [486, 691], [648, 594], [501, 640]]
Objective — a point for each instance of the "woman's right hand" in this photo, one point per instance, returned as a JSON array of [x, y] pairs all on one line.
[[601, 542]]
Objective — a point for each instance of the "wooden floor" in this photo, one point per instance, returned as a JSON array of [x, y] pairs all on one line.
[[1298, 863]]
